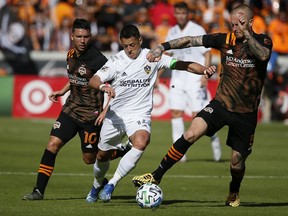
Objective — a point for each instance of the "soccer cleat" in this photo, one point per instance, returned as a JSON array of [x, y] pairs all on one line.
[[93, 193], [233, 200], [216, 147], [35, 195], [106, 194], [143, 179]]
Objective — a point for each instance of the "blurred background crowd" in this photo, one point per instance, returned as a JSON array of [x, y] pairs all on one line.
[[45, 26]]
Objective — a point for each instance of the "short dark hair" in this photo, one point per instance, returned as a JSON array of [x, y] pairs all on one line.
[[129, 31], [181, 5], [81, 24]]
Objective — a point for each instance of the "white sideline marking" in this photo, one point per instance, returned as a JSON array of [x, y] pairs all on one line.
[[166, 176]]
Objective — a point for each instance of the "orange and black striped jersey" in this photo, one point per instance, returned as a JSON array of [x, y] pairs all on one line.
[[84, 103], [242, 74]]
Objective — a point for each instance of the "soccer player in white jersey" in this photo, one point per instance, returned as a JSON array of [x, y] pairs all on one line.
[[132, 79], [187, 89]]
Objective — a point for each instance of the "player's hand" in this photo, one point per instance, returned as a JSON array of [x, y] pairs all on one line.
[[102, 115], [109, 90], [100, 118], [242, 22], [210, 71], [54, 96], [154, 55]]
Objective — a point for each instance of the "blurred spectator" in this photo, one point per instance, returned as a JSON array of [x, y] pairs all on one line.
[[161, 30], [278, 30], [108, 22], [218, 9], [259, 24], [215, 22], [15, 42], [63, 8], [26, 10], [145, 27], [196, 10], [61, 37], [160, 8], [41, 30], [130, 9]]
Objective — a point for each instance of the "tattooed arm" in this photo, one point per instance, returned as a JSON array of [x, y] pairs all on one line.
[[259, 51], [179, 43], [185, 42]]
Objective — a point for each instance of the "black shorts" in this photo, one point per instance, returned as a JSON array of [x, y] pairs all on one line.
[[241, 126], [66, 127]]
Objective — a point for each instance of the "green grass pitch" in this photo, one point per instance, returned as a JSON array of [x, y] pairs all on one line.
[[197, 187]]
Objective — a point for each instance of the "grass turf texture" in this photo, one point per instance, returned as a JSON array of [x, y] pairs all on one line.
[[197, 187]]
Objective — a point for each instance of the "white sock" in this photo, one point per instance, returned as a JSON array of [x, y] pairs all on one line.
[[178, 128], [100, 169], [126, 164]]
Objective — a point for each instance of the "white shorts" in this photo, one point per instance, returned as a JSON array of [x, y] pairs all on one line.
[[116, 128], [192, 98]]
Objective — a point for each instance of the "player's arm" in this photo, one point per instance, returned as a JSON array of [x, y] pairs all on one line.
[[179, 43], [54, 95], [261, 52], [193, 67], [208, 58], [96, 83]]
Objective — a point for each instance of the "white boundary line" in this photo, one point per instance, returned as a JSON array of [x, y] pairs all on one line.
[[166, 176]]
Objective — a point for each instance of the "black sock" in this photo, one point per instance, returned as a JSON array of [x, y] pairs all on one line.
[[237, 177], [45, 170], [175, 153]]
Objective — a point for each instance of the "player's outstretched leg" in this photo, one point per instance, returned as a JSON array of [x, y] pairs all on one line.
[[143, 179]]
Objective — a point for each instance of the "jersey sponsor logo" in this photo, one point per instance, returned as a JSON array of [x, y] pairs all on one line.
[[135, 83], [243, 63], [78, 80], [147, 69], [82, 70], [57, 125]]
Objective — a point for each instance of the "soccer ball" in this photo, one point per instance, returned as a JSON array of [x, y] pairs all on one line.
[[149, 196]]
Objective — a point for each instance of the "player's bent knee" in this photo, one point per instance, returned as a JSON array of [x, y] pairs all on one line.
[[54, 145], [89, 158]]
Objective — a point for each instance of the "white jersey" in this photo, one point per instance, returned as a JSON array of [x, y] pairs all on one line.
[[133, 81], [194, 54]]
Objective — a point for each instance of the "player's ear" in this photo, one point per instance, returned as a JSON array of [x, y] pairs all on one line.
[[141, 40], [250, 23], [71, 37]]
